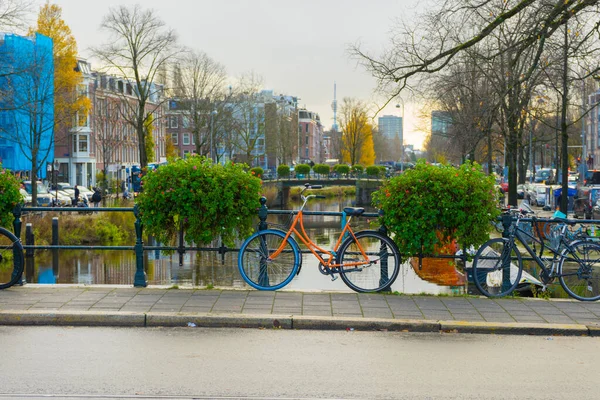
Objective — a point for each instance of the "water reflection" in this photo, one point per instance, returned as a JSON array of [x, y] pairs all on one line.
[[211, 268]]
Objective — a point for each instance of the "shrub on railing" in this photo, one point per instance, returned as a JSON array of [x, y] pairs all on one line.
[[341, 169], [430, 203], [373, 171], [321, 169], [10, 196], [257, 171], [303, 169], [210, 200], [357, 169], [283, 171]]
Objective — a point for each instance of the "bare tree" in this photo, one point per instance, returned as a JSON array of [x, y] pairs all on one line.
[[108, 129], [199, 84], [140, 45], [14, 14]]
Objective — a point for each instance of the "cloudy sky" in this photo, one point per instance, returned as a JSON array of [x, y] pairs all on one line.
[[299, 48]]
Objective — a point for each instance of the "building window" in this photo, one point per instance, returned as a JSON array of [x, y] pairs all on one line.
[[186, 139], [306, 128], [306, 140], [173, 122], [175, 139], [186, 122], [193, 139], [83, 143]]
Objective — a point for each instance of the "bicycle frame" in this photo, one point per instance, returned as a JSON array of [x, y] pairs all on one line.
[[316, 249], [523, 235]]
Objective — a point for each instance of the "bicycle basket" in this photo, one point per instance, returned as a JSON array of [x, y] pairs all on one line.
[[554, 235]]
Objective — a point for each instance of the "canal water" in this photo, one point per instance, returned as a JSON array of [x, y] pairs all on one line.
[[202, 269]]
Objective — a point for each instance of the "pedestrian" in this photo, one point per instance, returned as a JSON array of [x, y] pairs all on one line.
[[76, 199], [96, 197]]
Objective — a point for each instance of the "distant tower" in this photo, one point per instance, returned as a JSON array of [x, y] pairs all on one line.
[[334, 108]]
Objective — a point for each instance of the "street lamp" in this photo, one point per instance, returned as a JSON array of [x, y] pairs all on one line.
[[55, 167], [402, 138], [212, 132]]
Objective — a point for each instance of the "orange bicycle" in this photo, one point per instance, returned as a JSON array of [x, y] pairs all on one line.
[[367, 261]]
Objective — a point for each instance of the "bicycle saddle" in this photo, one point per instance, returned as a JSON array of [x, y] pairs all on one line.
[[354, 211]]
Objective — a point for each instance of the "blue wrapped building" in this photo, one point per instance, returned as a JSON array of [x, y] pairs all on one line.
[[26, 103]]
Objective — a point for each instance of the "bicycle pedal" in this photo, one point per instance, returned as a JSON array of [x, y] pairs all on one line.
[[333, 277]]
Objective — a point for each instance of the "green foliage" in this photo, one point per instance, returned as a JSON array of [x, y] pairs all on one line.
[[9, 197], [257, 171], [373, 170], [357, 168], [430, 202], [342, 169], [283, 171], [303, 169], [210, 200], [321, 169], [108, 233], [382, 170]]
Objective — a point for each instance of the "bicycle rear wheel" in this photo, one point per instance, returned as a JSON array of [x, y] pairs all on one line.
[[497, 268], [379, 271], [579, 271], [11, 259], [259, 270]]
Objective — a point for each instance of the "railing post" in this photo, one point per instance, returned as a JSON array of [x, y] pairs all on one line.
[[507, 221], [140, 274], [55, 243], [29, 253], [383, 252], [181, 248], [17, 212], [263, 212]]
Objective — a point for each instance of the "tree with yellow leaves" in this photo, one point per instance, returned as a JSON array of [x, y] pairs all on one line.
[[357, 133], [68, 101]]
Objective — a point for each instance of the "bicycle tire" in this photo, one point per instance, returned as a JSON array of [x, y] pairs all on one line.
[[374, 277], [582, 282], [263, 274], [11, 259], [489, 269]]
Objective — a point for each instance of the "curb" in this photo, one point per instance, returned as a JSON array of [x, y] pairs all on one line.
[[364, 324], [515, 328], [72, 318], [156, 319]]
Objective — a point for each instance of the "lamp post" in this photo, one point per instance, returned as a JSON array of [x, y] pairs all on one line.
[[402, 138], [212, 132], [55, 167]]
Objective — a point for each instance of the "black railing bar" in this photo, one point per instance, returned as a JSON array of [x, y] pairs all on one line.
[[324, 213], [73, 247], [78, 209]]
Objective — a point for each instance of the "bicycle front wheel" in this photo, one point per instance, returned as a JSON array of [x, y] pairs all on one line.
[[11, 259], [497, 268], [373, 271], [261, 271], [579, 271]]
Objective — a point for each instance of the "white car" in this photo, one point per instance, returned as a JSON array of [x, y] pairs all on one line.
[[63, 198], [44, 199]]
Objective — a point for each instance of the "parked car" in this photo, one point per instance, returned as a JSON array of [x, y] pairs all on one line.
[[585, 199], [520, 191], [545, 175], [26, 197], [44, 198], [536, 195]]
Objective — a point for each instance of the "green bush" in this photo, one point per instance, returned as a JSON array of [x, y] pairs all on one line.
[[373, 170], [341, 169], [303, 169], [429, 203], [257, 171], [321, 169], [283, 171], [382, 170], [10, 196], [358, 169], [210, 200]]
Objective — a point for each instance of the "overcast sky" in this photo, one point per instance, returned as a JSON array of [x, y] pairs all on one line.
[[299, 48]]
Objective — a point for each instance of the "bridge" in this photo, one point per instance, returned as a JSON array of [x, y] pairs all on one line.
[[364, 187]]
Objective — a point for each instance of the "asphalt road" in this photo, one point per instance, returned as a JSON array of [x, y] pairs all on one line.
[[59, 362]]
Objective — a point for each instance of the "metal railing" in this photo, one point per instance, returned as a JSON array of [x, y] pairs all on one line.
[[139, 248]]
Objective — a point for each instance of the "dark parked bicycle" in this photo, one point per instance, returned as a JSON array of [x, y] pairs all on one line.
[[11, 259], [498, 266]]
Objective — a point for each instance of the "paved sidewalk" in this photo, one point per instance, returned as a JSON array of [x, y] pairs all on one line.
[[127, 306]]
